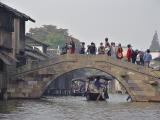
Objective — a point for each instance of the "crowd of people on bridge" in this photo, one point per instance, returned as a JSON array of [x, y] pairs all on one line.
[[111, 49]]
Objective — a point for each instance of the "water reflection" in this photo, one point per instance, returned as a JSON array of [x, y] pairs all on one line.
[[77, 108]]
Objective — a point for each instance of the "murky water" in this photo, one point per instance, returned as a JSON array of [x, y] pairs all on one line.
[[77, 108]]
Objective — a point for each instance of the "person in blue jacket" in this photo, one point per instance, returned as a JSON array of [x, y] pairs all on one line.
[[147, 58]]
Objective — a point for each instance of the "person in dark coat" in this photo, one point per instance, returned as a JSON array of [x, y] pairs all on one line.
[[82, 49], [64, 49], [134, 56], [93, 49]]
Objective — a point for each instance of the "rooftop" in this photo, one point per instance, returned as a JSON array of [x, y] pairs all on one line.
[[31, 40], [16, 12]]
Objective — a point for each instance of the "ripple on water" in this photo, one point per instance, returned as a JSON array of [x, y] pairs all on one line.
[[77, 108]]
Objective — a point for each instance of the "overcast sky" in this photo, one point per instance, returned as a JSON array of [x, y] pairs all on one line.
[[122, 21]]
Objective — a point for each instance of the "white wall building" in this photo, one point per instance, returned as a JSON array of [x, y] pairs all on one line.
[[155, 54]]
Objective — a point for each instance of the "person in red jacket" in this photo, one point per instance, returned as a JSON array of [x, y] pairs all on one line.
[[119, 52], [129, 53], [72, 47]]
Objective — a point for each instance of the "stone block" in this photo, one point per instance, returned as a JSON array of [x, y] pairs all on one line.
[[135, 88], [32, 83], [139, 93]]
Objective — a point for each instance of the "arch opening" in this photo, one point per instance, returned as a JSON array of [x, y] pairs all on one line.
[[64, 85]]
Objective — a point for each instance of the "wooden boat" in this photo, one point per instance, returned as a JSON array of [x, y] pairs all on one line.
[[97, 87]]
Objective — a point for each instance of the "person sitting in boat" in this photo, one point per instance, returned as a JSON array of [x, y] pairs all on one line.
[[99, 87], [102, 89], [97, 83], [105, 91]]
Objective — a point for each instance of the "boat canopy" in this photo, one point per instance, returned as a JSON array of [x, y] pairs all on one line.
[[107, 78]]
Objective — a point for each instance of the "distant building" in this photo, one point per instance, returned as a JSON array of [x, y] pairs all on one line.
[[155, 47], [33, 55], [12, 42], [155, 43], [36, 44], [155, 54], [155, 63], [35, 50]]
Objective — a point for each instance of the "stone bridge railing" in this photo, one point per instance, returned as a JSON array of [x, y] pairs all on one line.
[[98, 58]]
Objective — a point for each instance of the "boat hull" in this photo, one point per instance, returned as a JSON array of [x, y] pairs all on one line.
[[93, 97]]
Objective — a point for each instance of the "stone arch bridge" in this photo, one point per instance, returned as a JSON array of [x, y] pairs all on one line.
[[32, 80]]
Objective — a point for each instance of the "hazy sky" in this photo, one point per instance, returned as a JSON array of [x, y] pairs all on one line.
[[122, 21]]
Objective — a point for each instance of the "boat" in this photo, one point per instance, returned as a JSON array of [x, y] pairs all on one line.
[[78, 87], [97, 87]]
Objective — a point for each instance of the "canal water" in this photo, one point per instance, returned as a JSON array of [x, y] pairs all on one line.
[[77, 108]]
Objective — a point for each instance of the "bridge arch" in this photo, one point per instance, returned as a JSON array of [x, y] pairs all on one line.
[[135, 79], [123, 83]]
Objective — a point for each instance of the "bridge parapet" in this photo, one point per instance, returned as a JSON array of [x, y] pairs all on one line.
[[83, 58]]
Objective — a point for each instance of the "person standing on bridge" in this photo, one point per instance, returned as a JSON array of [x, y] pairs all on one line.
[[101, 49], [82, 49], [65, 49], [147, 58], [93, 49], [141, 58], [72, 47], [88, 49], [113, 49], [138, 58], [106, 43], [107, 47], [134, 56], [119, 52], [129, 53]]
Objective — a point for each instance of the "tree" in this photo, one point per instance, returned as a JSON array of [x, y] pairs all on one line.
[[155, 43], [53, 36], [50, 34]]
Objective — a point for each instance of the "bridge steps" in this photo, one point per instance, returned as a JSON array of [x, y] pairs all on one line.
[[154, 99]]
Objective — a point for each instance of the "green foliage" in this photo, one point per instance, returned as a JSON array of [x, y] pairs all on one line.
[[50, 34], [55, 39]]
